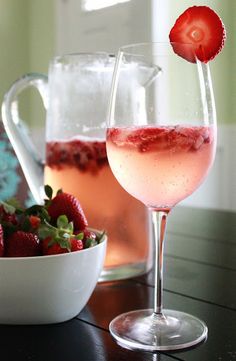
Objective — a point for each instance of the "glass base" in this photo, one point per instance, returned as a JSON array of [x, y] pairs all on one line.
[[124, 271], [144, 330]]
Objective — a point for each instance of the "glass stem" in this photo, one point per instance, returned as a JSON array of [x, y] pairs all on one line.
[[159, 219]]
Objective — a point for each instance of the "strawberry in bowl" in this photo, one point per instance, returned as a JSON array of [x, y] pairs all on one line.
[[48, 267]]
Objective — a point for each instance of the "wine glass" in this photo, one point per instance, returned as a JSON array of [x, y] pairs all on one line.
[[161, 141]]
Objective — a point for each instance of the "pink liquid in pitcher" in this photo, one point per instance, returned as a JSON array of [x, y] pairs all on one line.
[[161, 165], [80, 167]]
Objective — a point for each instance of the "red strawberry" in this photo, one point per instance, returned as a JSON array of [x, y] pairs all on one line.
[[201, 27], [76, 244], [34, 221], [22, 244], [84, 155], [1, 241], [67, 204], [60, 239], [49, 248], [7, 217], [89, 238]]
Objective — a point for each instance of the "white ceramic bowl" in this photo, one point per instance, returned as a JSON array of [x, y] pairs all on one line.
[[48, 289]]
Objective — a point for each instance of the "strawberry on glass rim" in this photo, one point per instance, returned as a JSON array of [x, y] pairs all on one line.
[[202, 28]]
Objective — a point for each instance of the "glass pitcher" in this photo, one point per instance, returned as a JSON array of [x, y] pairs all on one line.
[[75, 95]]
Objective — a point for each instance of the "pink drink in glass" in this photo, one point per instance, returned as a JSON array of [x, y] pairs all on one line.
[[161, 165], [80, 167]]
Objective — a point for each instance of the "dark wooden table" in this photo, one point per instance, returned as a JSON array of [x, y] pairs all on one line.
[[200, 269]]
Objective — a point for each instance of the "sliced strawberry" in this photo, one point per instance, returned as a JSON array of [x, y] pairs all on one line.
[[201, 27], [87, 156], [22, 244], [67, 204], [1, 241], [159, 139]]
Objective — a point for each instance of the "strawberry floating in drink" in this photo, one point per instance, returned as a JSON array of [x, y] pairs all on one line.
[[163, 158], [201, 27], [86, 156]]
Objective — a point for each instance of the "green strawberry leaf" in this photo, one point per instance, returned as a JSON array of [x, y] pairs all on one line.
[[39, 211], [51, 242], [33, 210], [8, 208], [64, 235], [46, 230], [99, 237], [26, 225], [79, 236], [70, 227], [9, 228], [48, 191], [65, 243], [59, 191], [62, 222], [90, 243], [15, 203], [44, 215]]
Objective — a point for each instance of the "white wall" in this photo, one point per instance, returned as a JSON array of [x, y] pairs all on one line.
[[102, 30]]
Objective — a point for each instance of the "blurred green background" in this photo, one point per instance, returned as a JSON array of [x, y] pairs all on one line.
[[27, 44]]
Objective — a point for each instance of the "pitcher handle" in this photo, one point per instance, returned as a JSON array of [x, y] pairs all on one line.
[[30, 160]]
